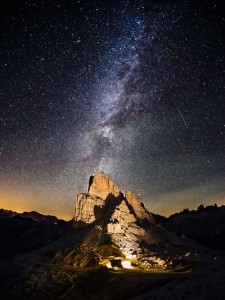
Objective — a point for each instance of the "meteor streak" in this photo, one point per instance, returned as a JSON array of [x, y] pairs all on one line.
[[182, 117]]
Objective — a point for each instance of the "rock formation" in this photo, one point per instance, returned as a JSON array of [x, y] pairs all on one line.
[[103, 187], [102, 191], [124, 222], [125, 231], [138, 206], [88, 208]]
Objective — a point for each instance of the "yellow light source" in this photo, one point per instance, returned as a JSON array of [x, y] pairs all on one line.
[[126, 264], [131, 256], [108, 265]]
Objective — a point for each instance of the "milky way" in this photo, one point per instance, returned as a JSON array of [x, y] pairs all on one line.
[[134, 89], [112, 105]]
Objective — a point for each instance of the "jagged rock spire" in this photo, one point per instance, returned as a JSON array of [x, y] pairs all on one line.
[[92, 206], [123, 221], [103, 187]]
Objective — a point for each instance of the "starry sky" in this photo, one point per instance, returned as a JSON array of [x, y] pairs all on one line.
[[131, 88]]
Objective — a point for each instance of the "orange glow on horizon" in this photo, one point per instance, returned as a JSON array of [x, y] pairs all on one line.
[[22, 203], [20, 199], [24, 208]]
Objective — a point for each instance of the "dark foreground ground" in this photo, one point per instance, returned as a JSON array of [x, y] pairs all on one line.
[[52, 282], [204, 280], [39, 257]]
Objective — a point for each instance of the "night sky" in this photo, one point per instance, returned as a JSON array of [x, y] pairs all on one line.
[[131, 88]]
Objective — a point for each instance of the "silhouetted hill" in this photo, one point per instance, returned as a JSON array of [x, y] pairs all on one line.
[[22, 233], [4, 214], [46, 219], [206, 225]]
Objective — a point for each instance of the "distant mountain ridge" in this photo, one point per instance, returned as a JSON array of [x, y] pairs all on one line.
[[5, 213], [35, 216], [206, 225], [24, 232]]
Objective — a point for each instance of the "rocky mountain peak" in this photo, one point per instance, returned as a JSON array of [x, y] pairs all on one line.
[[104, 200], [122, 221], [103, 187]]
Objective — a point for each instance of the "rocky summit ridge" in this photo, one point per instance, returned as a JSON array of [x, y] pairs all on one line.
[[102, 191], [123, 221]]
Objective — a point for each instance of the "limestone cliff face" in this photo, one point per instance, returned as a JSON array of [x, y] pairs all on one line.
[[119, 210], [124, 218], [138, 207], [88, 209], [103, 187], [121, 219], [124, 229]]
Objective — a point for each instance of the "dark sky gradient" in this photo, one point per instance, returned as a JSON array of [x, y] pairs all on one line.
[[131, 88]]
